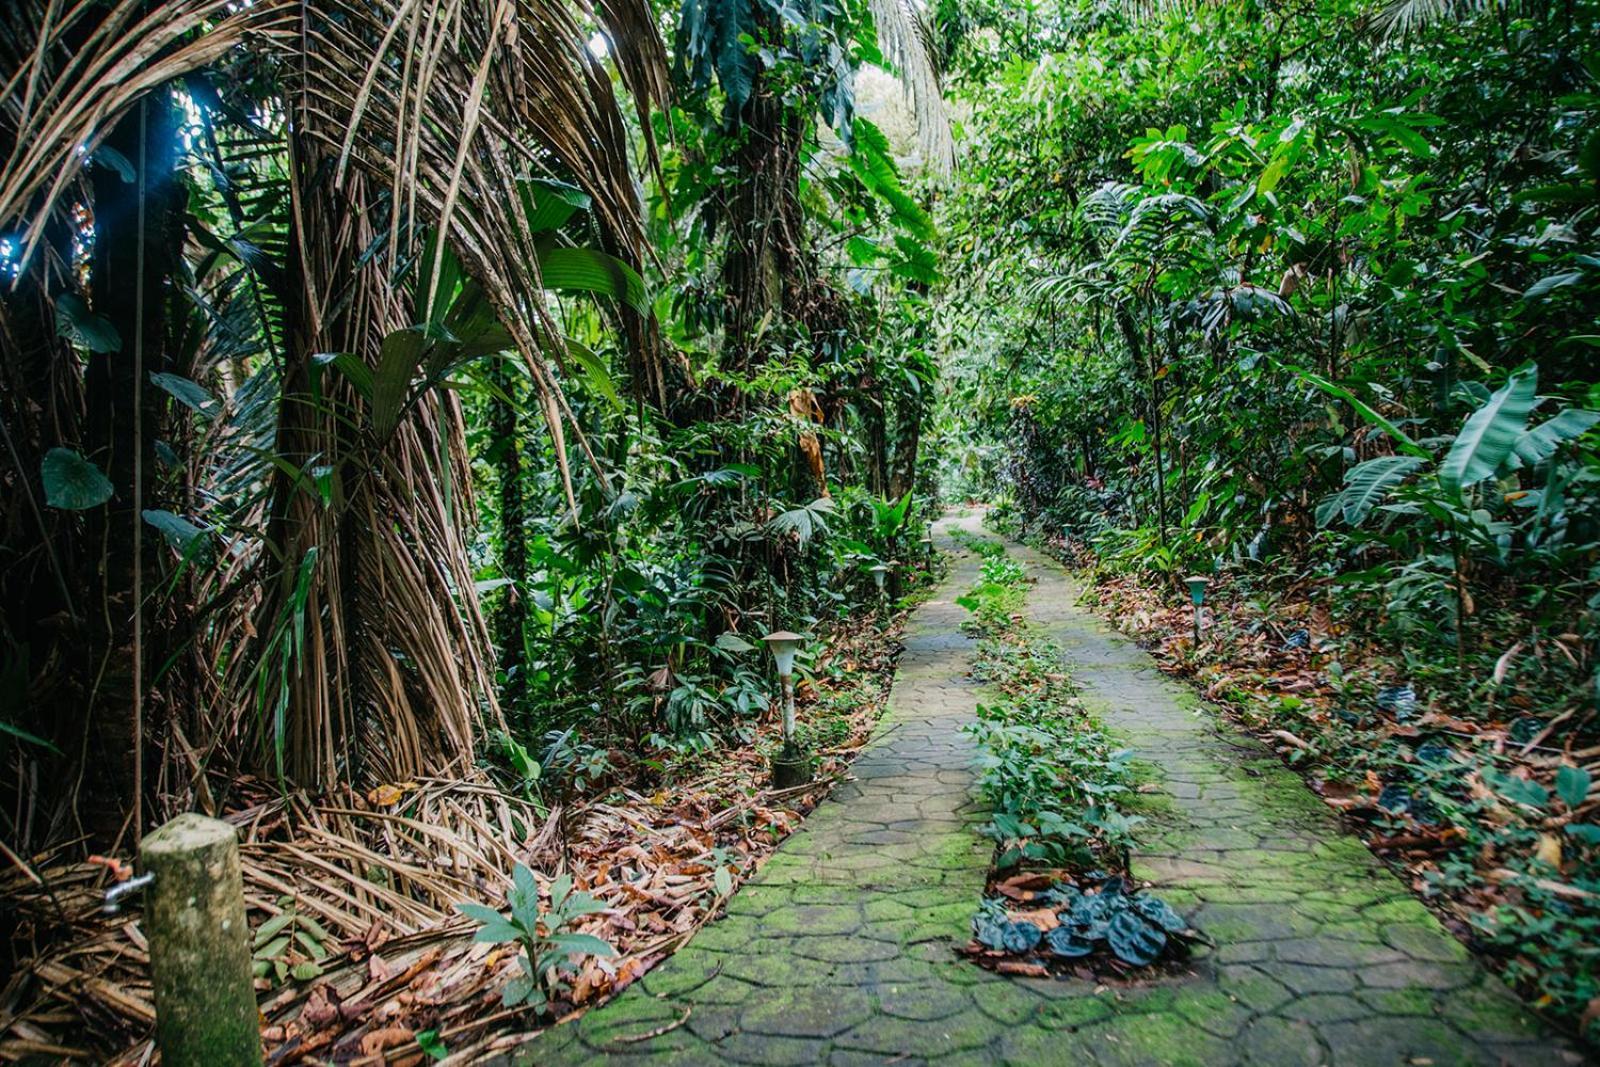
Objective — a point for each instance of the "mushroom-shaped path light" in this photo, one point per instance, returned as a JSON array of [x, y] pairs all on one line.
[[784, 644], [1198, 584], [790, 767]]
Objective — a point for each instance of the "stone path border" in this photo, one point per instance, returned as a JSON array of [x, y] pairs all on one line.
[[840, 950]]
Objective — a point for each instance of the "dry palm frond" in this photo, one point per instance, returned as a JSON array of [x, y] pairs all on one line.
[[371, 661], [451, 103], [640, 54], [380, 876], [907, 43], [65, 79]]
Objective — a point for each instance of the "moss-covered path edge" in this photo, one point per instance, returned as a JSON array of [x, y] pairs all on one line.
[[840, 950]]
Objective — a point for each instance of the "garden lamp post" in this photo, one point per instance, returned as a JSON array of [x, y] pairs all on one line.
[[927, 548], [879, 573], [790, 767], [1197, 596]]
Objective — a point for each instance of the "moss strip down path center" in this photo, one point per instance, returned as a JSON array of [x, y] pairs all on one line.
[[840, 950]]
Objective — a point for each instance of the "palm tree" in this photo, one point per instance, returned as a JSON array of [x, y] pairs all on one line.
[[340, 611], [767, 266]]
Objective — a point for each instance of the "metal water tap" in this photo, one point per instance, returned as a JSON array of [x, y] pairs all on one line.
[[115, 894]]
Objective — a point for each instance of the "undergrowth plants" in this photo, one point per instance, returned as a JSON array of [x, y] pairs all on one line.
[[996, 601], [547, 937], [1051, 773], [1055, 781], [1495, 827]]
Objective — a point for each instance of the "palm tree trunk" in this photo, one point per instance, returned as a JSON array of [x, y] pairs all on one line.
[[138, 232], [510, 618], [765, 260]]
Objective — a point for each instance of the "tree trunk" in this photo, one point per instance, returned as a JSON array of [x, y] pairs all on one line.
[[510, 617], [765, 262], [138, 234]]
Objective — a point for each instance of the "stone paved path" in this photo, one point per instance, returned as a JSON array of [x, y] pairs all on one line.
[[839, 951]]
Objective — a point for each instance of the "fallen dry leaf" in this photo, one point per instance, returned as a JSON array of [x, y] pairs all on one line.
[[386, 1038], [1022, 968]]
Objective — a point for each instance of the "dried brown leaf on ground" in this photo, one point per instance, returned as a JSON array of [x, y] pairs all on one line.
[[381, 872], [1246, 669]]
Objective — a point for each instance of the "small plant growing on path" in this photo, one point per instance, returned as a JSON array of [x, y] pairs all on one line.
[[548, 940], [1053, 779], [1051, 774], [1069, 923]]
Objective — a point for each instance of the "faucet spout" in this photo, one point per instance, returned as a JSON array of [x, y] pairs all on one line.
[[114, 895]]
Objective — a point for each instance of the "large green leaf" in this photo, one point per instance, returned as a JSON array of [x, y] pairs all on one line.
[[712, 36], [348, 364], [1572, 786], [1518, 790], [179, 531], [1365, 485], [472, 329], [401, 353], [1365, 410], [433, 298], [1551, 282], [916, 261], [189, 393], [79, 325], [580, 944], [22, 735], [805, 521], [1540, 443], [1490, 433], [72, 482], [873, 161], [595, 370], [586, 270], [1134, 940], [548, 204]]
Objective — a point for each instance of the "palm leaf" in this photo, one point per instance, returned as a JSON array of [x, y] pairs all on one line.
[[906, 41], [68, 73], [1490, 433], [1365, 410], [1538, 444], [1365, 485]]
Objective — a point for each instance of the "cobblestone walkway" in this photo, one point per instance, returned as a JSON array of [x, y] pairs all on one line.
[[840, 950]]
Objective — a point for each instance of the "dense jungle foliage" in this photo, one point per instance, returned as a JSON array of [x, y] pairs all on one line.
[[393, 389], [1306, 301], [1306, 314], [349, 443]]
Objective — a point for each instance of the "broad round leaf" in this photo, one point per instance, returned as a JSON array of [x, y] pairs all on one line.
[[1020, 936], [79, 325], [1063, 941], [1134, 940], [190, 394], [179, 531], [1157, 911], [72, 482]]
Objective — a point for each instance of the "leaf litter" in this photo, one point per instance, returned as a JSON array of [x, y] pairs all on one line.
[[392, 967]]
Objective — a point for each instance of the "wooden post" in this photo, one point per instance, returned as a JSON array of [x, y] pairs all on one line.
[[200, 946]]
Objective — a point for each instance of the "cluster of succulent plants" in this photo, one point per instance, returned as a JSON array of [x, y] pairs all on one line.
[[1111, 918]]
